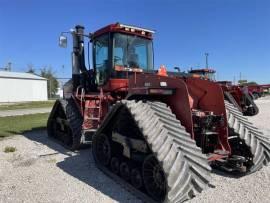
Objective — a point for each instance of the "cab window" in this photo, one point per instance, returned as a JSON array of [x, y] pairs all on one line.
[[101, 58]]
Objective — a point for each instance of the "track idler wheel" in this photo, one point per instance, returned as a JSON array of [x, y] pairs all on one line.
[[103, 149], [154, 178], [136, 178], [115, 165], [67, 138], [125, 171], [63, 132]]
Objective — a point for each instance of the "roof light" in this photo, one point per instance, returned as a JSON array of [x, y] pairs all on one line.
[[122, 68], [136, 28]]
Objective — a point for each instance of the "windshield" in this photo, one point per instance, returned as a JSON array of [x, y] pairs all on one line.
[[205, 75], [210, 76], [132, 52]]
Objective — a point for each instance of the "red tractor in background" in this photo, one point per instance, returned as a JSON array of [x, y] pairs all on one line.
[[239, 96], [266, 88], [204, 73], [156, 133], [256, 91]]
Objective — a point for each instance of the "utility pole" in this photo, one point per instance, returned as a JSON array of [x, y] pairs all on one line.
[[9, 66], [206, 59], [63, 69], [240, 76]]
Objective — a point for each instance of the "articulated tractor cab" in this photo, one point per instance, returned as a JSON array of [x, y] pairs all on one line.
[[205, 73], [155, 133]]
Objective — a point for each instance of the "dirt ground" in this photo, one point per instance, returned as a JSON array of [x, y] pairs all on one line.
[[40, 170]]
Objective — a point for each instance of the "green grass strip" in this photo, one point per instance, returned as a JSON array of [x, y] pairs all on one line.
[[27, 105], [19, 124]]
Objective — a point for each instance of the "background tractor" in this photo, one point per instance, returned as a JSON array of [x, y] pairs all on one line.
[[155, 133], [256, 91], [240, 96]]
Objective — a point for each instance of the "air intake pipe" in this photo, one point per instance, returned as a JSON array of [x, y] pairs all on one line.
[[78, 59]]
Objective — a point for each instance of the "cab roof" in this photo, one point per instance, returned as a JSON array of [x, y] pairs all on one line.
[[127, 29]]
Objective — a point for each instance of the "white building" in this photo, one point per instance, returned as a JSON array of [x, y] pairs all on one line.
[[17, 87], [60, 92]]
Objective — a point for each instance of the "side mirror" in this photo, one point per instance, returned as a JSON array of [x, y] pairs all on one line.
[[63, 41]]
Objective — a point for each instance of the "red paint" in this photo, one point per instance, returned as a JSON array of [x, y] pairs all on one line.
[[116, 28]]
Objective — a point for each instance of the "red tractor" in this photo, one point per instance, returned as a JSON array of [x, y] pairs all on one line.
[[236, 95], [240, 97], [155, 133], [266, 88], [204, 73], [256, 91]]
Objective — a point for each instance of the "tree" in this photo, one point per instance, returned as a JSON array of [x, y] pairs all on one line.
[[245, 82], [52, 81], [251, 83], [30, 68]]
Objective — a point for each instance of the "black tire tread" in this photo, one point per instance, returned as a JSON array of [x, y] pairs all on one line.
[[255, 109], [253, 137], [228, 97], [186, 168], [74, 119]]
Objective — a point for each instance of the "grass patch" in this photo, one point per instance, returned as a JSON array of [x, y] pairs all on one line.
[[9, 149], [19, 124], [27, 105]]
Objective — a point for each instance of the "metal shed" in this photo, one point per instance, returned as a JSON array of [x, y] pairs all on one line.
[[17, 87]]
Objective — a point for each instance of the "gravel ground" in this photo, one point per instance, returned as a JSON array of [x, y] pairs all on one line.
[[40, 170], [251, 188]]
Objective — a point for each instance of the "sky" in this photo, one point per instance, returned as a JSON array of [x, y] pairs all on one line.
[[235, 33]]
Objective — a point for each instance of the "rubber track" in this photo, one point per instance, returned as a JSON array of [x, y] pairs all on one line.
[[74, 119], [186, 168], [228, 97], [254, 106], [252, 136]]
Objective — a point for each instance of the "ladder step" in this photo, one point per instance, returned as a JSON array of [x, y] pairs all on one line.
[[93, 118], [89, 130]]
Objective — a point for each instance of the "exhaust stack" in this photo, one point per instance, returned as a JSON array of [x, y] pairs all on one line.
[[78, 60]]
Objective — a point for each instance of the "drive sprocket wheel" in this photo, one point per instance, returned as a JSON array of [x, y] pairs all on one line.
[[136, 178], [103, 149], [154, 178], [125, 170], [115, 165]]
